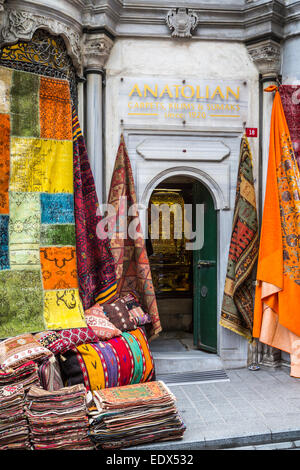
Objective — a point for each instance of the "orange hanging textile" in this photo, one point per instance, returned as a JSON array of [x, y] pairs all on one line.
[[277, 298]]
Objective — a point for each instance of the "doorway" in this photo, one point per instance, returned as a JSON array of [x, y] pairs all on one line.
[[185, 280]]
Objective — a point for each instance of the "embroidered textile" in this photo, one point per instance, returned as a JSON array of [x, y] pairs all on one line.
[[277, 299], [98, 321], [118, 314], [52, 341], [132, 264], [238, 301], [76, 336], [14, 428], [58, 418], [50, 376], [38, 266], [25, 375], [134, 414], [289, 95], [21, 349], [119, 361], [95, 264]]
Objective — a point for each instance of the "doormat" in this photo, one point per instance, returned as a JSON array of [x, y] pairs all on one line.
[[194, 377]]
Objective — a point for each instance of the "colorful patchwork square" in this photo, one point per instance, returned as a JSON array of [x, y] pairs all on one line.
[[55, 109], [58, 234], [25, 104], [25, 216], [4, 255], [21, 306], [24, 257], [24, 231], [41, 165], [59, 267], [63, 308], [57, 208]]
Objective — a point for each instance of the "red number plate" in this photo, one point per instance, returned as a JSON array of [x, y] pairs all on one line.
[[251, 131]]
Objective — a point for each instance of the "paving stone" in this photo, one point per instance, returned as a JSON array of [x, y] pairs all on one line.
[[254, 410], [275, 446], [241, 448]]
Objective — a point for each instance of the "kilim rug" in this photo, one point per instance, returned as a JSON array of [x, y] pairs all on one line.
[[95, 263], [38, 268], [290, 98], [130, 255], [238, 301]]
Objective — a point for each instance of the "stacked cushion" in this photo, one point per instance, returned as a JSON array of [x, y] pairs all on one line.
[[123, 360], [20, 349], [25, 375], [135, 310], [118, 314], [60, 341], [100, 324]]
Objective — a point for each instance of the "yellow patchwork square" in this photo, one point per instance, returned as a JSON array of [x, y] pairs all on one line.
[[63, 309], [41, 165]]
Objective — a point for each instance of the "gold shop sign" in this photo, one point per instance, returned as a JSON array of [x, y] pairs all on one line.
[[196, 103]]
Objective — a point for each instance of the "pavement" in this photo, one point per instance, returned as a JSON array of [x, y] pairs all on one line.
[[253, 410]]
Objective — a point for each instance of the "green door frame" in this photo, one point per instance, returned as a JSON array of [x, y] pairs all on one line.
[[205, 274]]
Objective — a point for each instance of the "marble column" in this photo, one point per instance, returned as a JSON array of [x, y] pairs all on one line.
[[80, 93], [96, 51], [267, 57]]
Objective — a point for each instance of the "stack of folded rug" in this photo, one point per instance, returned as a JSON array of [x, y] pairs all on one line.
[[14, 430], [25, 375], [134, 414], [58, 419]]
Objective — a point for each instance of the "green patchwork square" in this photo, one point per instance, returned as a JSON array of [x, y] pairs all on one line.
[[21, 303], [25, 116], [57, 234]]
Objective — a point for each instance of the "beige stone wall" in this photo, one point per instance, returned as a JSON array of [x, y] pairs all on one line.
[[181, 59]]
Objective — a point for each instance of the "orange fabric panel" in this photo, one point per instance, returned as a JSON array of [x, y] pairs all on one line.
[[58, 267], [279, 250], [55, 109]]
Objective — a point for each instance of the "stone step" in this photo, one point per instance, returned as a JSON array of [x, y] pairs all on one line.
[[171, 355]]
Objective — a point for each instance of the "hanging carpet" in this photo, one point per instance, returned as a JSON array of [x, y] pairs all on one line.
[[290, 98], [38, 267], [277, 300], [95, 263], [238, 301], [129, 251]]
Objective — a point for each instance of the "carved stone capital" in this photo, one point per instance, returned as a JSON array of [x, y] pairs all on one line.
[[267, 57], [181, 22], [96, 50], [20, 24]]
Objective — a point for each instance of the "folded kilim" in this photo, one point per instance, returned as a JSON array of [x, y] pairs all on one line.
[[134, 414], [14, 430], [58, 419], [25, 375]]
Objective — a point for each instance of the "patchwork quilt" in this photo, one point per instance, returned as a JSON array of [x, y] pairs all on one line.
[[38, 267]]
